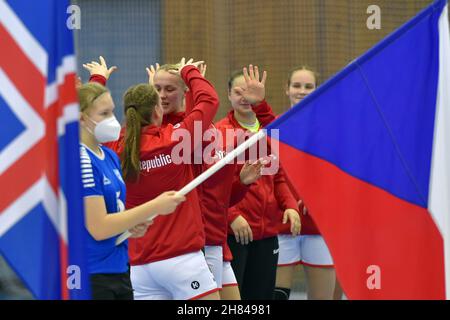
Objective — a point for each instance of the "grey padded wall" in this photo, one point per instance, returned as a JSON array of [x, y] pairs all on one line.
[[127, 33]]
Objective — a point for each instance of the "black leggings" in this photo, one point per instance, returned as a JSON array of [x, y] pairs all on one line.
[[115, 286], [255, 267]]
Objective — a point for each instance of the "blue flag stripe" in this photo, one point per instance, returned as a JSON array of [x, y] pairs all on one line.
[[330, 117]]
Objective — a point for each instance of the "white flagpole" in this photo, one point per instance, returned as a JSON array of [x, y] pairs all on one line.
[[208, 173]]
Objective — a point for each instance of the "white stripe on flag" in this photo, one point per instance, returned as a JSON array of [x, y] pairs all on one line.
[[22, 206], [26, 41], [56, 209], [70, 114], [67, 66], [63, 217], [35, 127]]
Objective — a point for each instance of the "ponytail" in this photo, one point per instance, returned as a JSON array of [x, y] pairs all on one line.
[[139, 104]]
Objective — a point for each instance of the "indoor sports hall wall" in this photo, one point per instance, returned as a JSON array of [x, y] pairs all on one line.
[[127, 33], [228, 34], [276, 35]]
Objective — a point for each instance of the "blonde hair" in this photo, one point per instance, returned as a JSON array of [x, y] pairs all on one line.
[[172, 67], [88, 93], [139, 103], [169, 67]]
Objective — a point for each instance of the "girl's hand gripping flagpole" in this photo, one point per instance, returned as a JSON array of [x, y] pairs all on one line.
[[205, 175]]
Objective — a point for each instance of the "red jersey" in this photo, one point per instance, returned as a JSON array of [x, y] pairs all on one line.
[[227, 254], [265, 200], [224, 188], [216, 187], [182, 231]]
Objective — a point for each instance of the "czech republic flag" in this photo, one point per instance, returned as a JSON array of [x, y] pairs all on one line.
[[369, 153]]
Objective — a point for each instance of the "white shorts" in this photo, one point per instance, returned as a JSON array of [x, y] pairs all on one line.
[[214, 259], [228, 277], [186, 277], [309, 250]]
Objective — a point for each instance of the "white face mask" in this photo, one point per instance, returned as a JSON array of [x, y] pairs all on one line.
[[106, 130]]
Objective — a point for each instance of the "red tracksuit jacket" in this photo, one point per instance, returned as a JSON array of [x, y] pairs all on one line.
[[265, 200], [223, 189], [182, 231], [214, 194]]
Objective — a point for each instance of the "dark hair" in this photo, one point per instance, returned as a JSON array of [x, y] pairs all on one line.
[[139, 103], [303, 67], [235, 74]]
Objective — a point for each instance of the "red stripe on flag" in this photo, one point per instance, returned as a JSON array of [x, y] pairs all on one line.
[[64, 262], [22, 72], [67, 93], [365, 226], [22, 174]]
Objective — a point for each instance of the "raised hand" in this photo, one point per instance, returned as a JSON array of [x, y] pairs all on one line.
[[99, 68], [183, 63], [251, 172], [202, 69], [151, 73], [256, 90]]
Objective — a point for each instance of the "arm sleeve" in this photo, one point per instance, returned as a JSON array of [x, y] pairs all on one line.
[[232, 215], [205, 103], [264, 113], [98, 79], [283, 194], [189, 101], [238, 189]]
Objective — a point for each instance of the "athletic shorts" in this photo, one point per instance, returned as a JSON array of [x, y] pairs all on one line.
[[214, 259], [185, 277], [116, 286], [309, 250], [228, 277]]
